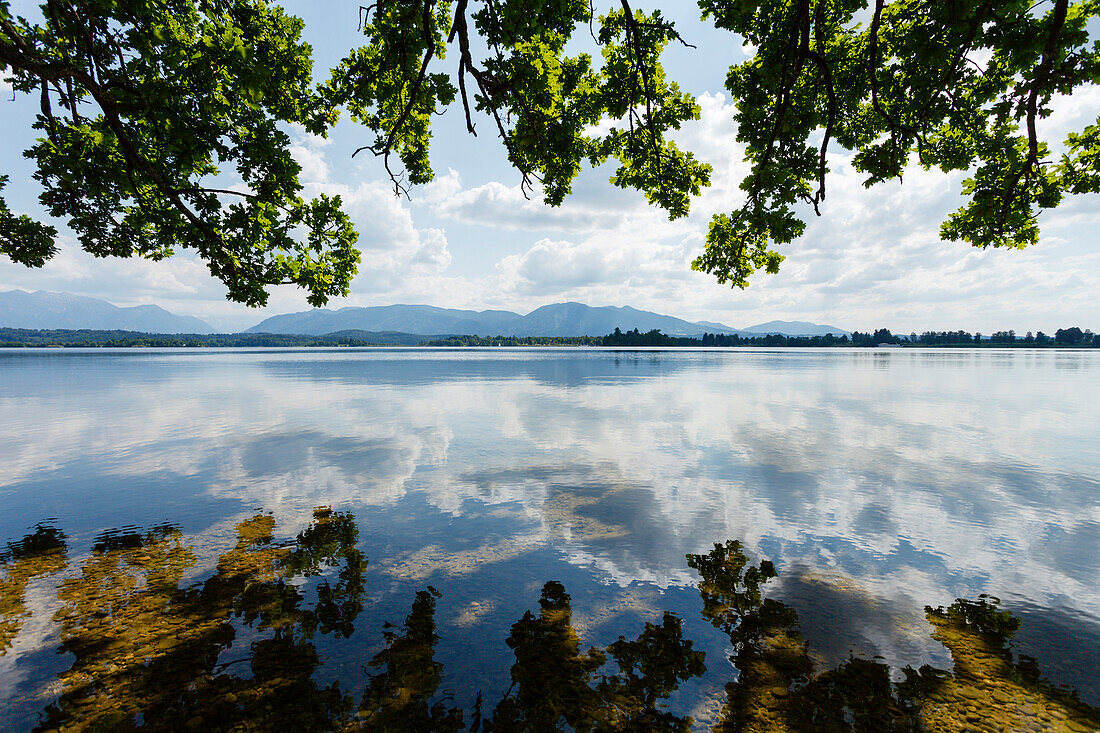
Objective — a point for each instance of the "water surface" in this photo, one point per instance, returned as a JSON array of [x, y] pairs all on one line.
[[357, 537]]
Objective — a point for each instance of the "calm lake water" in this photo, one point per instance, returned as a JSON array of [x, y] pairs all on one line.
[[436, 539]]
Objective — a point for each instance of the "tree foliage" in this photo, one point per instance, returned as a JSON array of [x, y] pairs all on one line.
[[162, 128], [543, 104], [957, 86], [164, 125]]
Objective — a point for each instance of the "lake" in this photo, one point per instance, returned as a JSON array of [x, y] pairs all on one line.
[[550, 538]]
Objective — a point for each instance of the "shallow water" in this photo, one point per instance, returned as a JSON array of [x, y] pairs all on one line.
[[166, 563]]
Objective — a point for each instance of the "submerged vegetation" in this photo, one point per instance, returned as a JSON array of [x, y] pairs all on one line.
[[239, 650]]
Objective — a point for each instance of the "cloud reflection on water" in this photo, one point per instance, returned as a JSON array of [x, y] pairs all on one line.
[[907, 475]]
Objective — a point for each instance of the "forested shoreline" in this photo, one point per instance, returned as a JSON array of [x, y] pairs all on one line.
[[86, 338], [881, 337], [37, 338]]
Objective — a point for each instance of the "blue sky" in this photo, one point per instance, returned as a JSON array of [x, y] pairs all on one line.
[[470, 239]]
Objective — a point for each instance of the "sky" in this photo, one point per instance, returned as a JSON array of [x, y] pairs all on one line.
[[471, 240]]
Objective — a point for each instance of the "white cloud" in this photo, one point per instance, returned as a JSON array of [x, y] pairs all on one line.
[[393, 248], [432, 253], [556, 266], [142, 281], [308, 152], [506, 207], [1069, 113]]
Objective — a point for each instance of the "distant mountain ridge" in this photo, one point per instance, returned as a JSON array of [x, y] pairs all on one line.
[[794, 328], [45, 310], [558, 319]]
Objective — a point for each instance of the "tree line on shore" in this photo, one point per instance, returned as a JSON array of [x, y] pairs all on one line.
[[22, 337], [883, 336], [1073, 336], [19, 338], [1063, 337]]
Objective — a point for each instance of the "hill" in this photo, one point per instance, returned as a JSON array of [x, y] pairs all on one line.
[[559, 319], [45, 310], [794, 328]]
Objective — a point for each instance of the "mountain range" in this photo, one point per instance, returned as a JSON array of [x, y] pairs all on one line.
[[558, 319], [794, 328], [44, 310]]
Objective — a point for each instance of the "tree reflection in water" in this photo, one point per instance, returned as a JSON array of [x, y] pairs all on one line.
[[40, 553], [149, 653], [777, 689], [556, 687], [402, 696]]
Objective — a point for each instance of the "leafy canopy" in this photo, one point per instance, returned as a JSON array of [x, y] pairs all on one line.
[[164, 125], [143, 106], [956, 85], [543, 104]]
